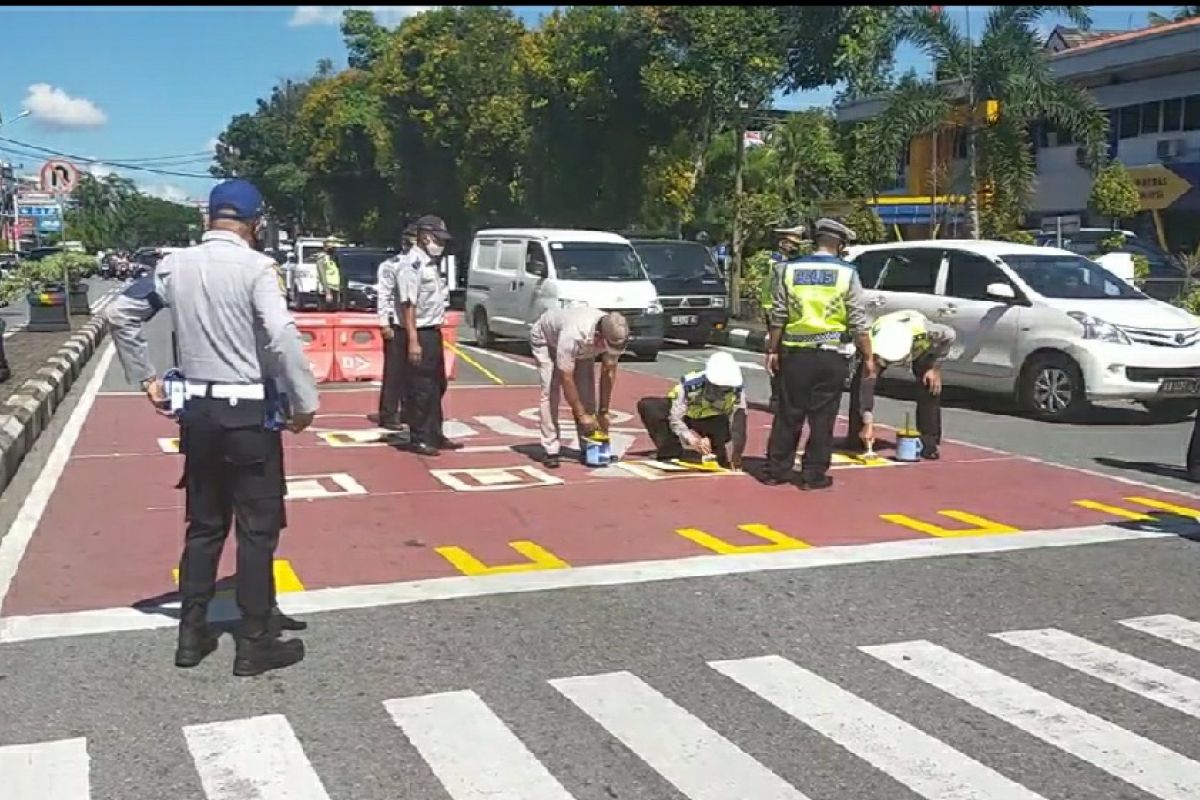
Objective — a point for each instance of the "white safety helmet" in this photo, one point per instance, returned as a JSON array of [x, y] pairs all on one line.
[[723, 370], [891, 343]]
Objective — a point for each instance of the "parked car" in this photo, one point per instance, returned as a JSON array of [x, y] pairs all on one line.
[[1049, 326], [1166, 279], [692, 292], [359, 267], [517, 274]]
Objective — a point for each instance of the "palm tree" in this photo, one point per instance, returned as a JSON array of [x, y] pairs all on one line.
[[1007, 65]]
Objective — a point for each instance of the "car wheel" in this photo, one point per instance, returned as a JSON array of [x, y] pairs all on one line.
[[1052, 388], [1175, 410], [483, 334]]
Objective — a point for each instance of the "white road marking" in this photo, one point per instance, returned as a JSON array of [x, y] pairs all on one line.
[[1132, 674], [1138, 761], [1172, 628], [258, 757], [111, 620], [498, 356], [927, 766], [470, 749], [695, 759], [14, 544], [45, 770]]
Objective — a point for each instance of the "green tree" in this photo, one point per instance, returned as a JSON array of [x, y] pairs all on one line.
[[98, 216], [1114, 194], [364, 37], [1180, 14]]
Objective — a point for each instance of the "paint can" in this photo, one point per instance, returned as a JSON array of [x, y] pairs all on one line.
[[908, 445], [597, 451]]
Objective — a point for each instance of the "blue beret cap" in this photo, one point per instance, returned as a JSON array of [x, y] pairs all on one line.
[[235, 199]]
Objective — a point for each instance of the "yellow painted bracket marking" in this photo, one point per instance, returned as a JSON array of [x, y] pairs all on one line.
[[1116, 511], [1183, 511], [539, 558], [980, 526], [778, 541], [699, 466], [286, 580]]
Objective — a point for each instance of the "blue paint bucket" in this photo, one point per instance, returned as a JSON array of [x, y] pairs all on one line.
[[597, 452], [908, 446]]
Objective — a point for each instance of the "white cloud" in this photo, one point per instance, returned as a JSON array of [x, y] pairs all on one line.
[[99, 170], [54, 108], [166, 191], [211, 146], [332, 15]]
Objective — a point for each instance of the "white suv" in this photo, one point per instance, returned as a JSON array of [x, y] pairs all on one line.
[[1052, 328]]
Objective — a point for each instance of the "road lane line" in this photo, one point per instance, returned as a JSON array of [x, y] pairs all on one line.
[[1138, 761], [258, 757], [1170, 627], [927, 766], [14, 544], [695, 759], [1116, 511], [487, 373], [1136, 675], [111, 620], [499, 356], [46, 770], [470, 749]]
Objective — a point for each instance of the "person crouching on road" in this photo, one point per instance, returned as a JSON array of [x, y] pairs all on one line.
[[565, 342], [704, 411], [392, 389], [899, 338], [421, 297]]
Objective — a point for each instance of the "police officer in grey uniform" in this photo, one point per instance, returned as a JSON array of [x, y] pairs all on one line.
[[238, 347], [392, 390], [421, 298]]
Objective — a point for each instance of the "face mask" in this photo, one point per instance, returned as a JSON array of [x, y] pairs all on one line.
[[434, 249]]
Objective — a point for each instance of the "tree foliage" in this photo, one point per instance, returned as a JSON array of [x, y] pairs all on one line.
[[110, 213], [1114, 194]]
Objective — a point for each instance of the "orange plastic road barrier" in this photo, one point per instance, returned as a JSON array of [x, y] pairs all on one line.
[[358, 348], [317, 333], [450, 343]]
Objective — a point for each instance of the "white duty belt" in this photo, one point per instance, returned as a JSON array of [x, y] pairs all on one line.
[[225, 391]]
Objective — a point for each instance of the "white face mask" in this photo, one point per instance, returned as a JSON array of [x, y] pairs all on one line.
[[434, 249]]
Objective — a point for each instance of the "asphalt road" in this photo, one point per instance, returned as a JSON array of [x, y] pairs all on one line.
[[879, 680]]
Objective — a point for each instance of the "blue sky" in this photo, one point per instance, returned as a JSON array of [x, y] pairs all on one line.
[[136, 83]]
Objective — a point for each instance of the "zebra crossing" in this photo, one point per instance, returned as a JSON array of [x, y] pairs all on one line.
[[474, 754]]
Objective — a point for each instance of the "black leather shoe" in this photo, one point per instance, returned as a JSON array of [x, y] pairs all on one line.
[[193, 646], [283, 622], [774, 480], [265, 653], [816, 483], [551, 462], [392, 424], [422, 449], [446, 444], [931, 455]]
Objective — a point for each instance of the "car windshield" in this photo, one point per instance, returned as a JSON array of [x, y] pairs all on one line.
[[596, 261], [361, 265], [1070, 277], [676, 260]]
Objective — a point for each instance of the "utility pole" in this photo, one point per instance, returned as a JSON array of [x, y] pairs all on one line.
[[971, 123], [739, 160]]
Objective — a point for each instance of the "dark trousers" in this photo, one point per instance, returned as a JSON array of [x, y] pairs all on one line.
[[233, 473], [810, 388], [390, 394], [335, 304], [1193, 451], [655, 413], [929, 407], [5, 374], [424, 385]]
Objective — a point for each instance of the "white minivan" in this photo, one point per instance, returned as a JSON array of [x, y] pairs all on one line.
[[517, 274], [1053, 328]]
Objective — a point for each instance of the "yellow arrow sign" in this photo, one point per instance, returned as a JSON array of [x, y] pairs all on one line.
[[1158, 187]]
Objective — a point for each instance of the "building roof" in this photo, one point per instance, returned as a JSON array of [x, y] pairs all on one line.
[[1070, 38], [1120, 37]]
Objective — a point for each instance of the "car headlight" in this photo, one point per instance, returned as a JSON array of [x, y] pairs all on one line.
[[1098, 329], [572, 303], [655, 307], [718, 302]]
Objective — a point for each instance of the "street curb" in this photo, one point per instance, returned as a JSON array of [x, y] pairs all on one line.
[[747, 339], [27, 412]]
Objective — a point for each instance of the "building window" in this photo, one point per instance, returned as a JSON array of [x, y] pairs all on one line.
[[1172, 115], [1191, 113], [1130, 121], [1150, 117]]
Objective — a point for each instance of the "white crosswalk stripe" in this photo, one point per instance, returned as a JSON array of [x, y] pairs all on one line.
[[474, 754], [1132, 758], [925, 765], [258, 758], [471, 750]]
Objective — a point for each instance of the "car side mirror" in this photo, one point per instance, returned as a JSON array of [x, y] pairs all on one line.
[[1002, 292]]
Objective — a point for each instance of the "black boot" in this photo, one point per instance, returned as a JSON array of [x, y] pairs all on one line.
[[259, 651], [196, 639], [283, 622]]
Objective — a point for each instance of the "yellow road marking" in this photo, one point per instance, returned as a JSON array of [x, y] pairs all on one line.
[[539, 558], [980, 526], [779, 541], [487, 372], [1182, 511], [286, 580], [1116, 511]]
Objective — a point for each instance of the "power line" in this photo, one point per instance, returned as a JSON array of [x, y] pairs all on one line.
[[120, 165]]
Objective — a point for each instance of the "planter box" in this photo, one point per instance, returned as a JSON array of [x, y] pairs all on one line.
[[47, 312], [79, 302]]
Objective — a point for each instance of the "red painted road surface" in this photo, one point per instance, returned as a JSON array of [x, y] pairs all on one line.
[[111, 534]]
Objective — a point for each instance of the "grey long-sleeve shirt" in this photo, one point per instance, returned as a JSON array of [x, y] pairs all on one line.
[[856, 301], [231, 320]]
